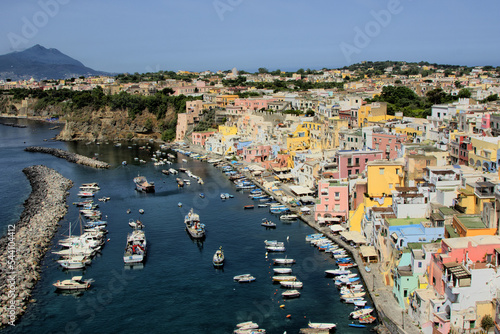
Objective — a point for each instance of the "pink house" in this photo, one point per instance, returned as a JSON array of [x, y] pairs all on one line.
[[333, 206], [256, 153], [354, 162], [388, 143], [253, 104], [199, 138]]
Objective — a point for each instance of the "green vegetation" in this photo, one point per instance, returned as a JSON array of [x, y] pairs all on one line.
[[487, 322], [153, 76]]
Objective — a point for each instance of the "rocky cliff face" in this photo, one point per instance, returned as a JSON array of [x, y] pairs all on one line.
[[105, 125]]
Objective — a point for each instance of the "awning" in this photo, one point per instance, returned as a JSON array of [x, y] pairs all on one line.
[[300, 190], [368, 251], [305, 209], [285, 176], [336, 228], [353, 236], [256, 168], [307, 199]]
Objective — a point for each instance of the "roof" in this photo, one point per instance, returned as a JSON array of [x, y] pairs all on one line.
[[300, 190], [471, 221], [404, 221], [367, 251], [353, 236], [448, 211]]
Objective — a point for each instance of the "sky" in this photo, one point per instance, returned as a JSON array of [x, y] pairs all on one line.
[[197, 35]]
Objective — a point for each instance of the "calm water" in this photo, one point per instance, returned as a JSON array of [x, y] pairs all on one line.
[[177, 290]]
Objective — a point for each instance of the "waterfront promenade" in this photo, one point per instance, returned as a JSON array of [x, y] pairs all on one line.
[[390, 314]]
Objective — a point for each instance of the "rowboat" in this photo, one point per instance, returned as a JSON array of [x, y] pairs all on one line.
[[282, 270]]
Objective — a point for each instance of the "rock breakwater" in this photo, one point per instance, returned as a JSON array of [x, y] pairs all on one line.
[[26, 242], [71, 157]]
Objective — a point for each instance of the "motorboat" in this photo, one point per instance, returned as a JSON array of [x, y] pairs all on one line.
[[136, 247], [246, 279], [284, 261], [274, 243], [280, 278], [275, 248], [314, 236], [289, 217], [193, 225], [336, 272], [75, 283], [292, 284], [74, 262], [361, 312], [290, 294], [136, 224], [242, 276], [282, 270], [268, 223], [142, 184], [218, 258], [92, 186]]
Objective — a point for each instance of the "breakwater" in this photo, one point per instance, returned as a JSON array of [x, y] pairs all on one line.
[[26, 241], [71, 157]]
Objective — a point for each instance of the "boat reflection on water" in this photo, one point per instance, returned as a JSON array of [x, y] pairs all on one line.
[[198, 241], [134, 266]]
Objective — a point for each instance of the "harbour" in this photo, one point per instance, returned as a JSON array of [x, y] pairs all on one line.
[[177, 289]]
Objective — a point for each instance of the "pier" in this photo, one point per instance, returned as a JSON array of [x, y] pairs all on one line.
[[26, 241], [71, 157]]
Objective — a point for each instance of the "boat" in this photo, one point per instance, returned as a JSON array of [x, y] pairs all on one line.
[[193, 225], [246, 279], [322, 325], [284, 261], [367, 319], [104, 199], [284, 278], [274, 243], [93, 186], [74, 262], [141, 211], [275, 248], [179, 204], [129, 211], [85, 194], [282, 270], [314, 236], [368, 269], [357, 325], [292, 284], [247, 324], [268, 223], [75, 283], [202, 195], [246, 207], [180, 182], [262, 205], [290, 294], [238, 277], [142, 184], [135, 249], [354, 300], [361, 312], [218, 259], [165, 171], [136, 224], [289, 217]]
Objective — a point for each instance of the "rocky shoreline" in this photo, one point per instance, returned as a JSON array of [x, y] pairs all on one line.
[[26, 242], [71, 157]]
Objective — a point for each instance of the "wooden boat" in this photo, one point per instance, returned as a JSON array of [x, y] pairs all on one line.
[[290, 294], [246, 207], [142, 184], [193, 225], [367, 319], [218, 259], [135, 249], [76, 283]]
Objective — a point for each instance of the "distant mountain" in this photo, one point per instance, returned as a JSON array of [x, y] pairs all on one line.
[[41, 63]]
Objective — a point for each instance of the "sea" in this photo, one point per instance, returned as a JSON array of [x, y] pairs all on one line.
[[177, 289]]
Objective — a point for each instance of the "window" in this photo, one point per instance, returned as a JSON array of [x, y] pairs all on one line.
[[405, 293], [337, 207], [381, 171], [420, 264]]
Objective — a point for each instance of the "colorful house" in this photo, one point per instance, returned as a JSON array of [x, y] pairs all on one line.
[[199, 138], [484, 153], [333, 206]]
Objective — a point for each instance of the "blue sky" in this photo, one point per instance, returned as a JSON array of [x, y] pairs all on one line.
[[133, 36]]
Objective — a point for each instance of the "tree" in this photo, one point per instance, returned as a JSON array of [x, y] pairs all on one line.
[[263, 70], [487, 322], [464, 93], [458, 84]]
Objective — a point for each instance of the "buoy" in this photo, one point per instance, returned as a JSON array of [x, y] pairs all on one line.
[[282, 306], [288, 316]]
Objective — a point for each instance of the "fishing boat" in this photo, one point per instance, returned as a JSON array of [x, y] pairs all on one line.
[[135, 249], [290, 294], [136, 224], [93, 186], [361, 312], [292, 284], [193, 225], [142, 184], [218, 259], [246, 279], [268, 223], [202, 195], [75, 283], [275, 248], [322, 325], [354, 300]]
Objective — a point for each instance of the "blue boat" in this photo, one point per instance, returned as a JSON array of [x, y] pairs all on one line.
[[357, 325]]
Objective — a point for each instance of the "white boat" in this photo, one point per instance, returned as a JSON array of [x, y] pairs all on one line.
[[218, 258], [136, 247], [284, 278], [336, 272], [352, 295], [75, 262], [289, 217], [361, 312], [238, 277], [290, 294], [136, 224], [275, 248], [322, 325], [354, 300], [284, 261], [267, 223], [247, 324], [193, 225], [282, 270], [246, 279], [85, 194], [76, 283], [314, 236], [292, 284], [93, 186], [274, 243]]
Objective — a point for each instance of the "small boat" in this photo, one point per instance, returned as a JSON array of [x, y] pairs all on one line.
[[136, 224], [76, 283], [275, 248], [268, 223], [284, 261], [314, 236], [290, 294], [202, 195], [142, 184], [262, 206], [292, 284], [367, 319], [165, 171], [289, 217], [218, 259], [85, 194], [238, 277], [246, 279], [193, 225], [104, 199], [129, 211], [282, 270], [357, 325], [180, 182], [321, 325], [135, 249], [246, 207], [74, 262], [93, 186], [274, 243], [247, 324], [361, 312], [141, 211], [284, 278]]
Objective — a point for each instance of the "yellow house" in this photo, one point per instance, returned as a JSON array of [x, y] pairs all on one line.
[[410, 132], [484, 153], [371, 110], [316, 135], [228, 130], [298, 140], [383, 177], [473, 197], [224, 100], [335, 124]]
